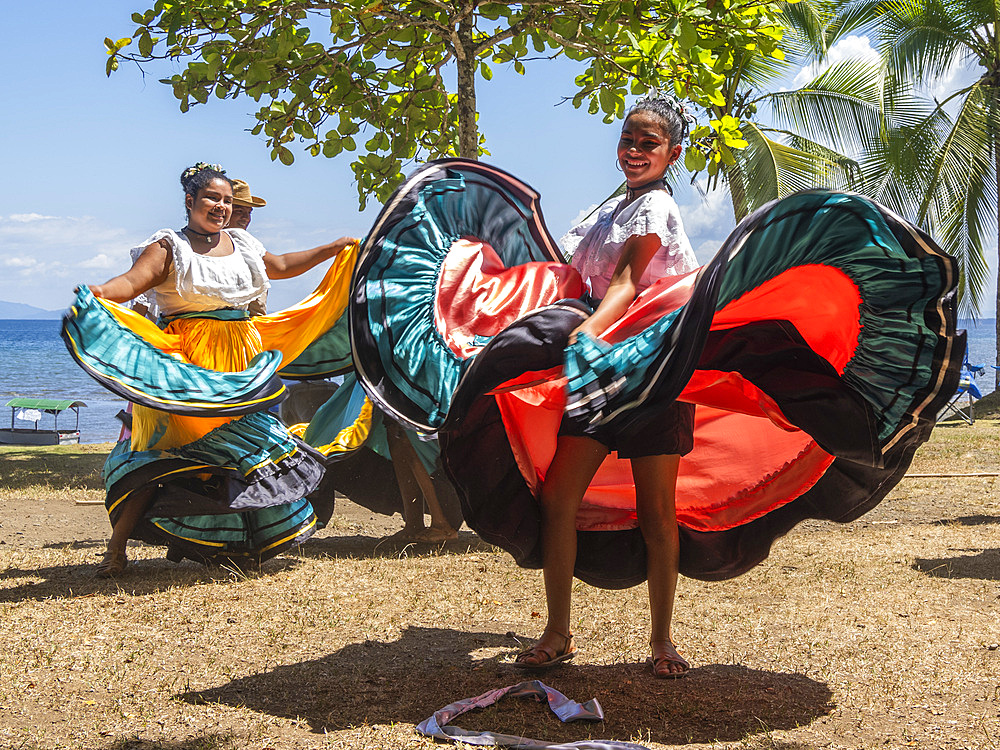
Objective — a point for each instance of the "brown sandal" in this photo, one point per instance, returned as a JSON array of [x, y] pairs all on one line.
[[660, 664], [551, 658], [112, 564]]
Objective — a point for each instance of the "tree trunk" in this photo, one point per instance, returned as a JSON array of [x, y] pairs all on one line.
[[468, 128]]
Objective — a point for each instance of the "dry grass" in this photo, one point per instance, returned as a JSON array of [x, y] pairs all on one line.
[[879, 634], [60, 472]]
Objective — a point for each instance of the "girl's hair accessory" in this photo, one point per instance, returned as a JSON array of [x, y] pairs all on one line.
[[675, 104], [190, 172], [677, 118]]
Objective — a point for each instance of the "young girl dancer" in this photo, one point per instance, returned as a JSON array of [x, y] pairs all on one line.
[[634, 240]]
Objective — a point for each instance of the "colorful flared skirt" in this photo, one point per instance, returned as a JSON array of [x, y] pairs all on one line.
[[818, 346]]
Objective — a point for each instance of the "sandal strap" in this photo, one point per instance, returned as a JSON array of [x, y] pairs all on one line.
[[567, 637], [670, 655], [537, 649]]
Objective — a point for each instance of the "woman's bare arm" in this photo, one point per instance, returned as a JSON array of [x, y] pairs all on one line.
[[150, 268], [287, 265]]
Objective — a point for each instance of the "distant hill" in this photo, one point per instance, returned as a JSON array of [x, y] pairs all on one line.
[[17, 311]]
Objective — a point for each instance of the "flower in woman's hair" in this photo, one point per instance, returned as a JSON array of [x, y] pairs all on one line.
[[192, 171]]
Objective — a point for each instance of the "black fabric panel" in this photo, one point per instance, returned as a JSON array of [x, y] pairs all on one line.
[[368, 479], [533, 343], [496, 502]]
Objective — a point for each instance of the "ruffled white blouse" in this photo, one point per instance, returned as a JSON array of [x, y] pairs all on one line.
[[198, 282], [596, 243]]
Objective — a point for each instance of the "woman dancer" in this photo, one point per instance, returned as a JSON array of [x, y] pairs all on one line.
[[636, 238], [204, 277]]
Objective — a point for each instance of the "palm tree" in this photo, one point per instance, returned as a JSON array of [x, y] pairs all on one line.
[[840, 130], [775, 161], [926, 41]]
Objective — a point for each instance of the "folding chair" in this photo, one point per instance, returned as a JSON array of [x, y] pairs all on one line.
[[966, 387]]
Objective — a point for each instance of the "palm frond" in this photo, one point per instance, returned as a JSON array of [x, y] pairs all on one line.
[[843, 105], [775, 169]]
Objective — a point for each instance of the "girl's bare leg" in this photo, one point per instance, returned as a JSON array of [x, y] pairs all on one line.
[[655, 483], [402, 454], [573, 466]]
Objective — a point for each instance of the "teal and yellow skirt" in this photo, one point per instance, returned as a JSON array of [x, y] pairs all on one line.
[[222, 479]]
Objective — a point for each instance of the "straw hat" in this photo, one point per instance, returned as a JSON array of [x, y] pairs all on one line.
[[242, 196]]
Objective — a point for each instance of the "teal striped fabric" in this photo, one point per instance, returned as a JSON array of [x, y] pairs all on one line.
[[127, 365]]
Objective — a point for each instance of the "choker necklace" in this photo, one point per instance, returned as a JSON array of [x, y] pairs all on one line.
[[207, 236], [631, 191]]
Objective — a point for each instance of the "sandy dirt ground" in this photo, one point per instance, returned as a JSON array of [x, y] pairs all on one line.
[[882, 633]]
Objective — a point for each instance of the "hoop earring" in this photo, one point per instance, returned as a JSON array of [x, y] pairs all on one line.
[[618, 166]]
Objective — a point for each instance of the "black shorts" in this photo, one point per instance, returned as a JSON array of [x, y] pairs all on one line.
[[671, 433]]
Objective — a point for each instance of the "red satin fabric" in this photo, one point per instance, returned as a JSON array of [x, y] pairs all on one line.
[[747, 460], [478, 296]]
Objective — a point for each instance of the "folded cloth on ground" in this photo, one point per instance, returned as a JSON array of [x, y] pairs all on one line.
[[564, 708]]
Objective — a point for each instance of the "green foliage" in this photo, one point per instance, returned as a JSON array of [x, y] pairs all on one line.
[[370, 77], [951, 169], [845, 129]]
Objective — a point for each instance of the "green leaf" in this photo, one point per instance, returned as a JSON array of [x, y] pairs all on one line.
[[694, 159], [607, 101], [688, 36]]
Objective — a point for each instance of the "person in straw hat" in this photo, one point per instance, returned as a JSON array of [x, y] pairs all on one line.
[[243, 205], [244, 202]]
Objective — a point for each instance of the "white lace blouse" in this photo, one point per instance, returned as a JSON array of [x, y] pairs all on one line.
[[197, 282], [596, 243]]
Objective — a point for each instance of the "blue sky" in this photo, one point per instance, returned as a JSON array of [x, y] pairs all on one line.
[[91, 163]]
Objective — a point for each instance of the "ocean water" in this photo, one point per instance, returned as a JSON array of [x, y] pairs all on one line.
[[34, 363]]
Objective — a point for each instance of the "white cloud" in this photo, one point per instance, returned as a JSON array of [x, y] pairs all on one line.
[[710, 216], [849, 48], [25, 218], [707, 250], [102, 261], [46, 255], [584, 214]]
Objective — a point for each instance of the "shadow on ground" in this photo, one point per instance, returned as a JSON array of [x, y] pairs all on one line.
[[31, 467], [974, 520], [146, 576], [209, 741], [364, 547], [426, 669], [140, 578], [984, 565]]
